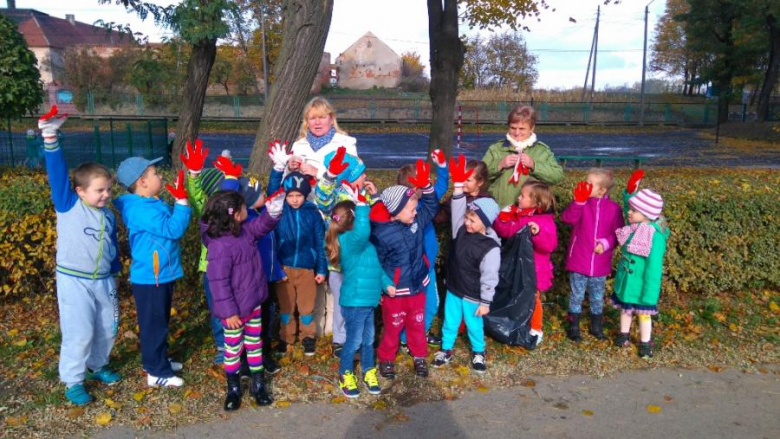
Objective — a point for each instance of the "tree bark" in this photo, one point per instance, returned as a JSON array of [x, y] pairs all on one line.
[[303, 41], [447, 54], [770, 78], [191, 106]]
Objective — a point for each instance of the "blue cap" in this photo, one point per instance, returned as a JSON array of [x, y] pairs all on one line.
[[355, 167], [131, 169]]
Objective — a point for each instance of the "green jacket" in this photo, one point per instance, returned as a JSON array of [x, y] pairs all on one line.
[[546, 169], [197, 200], [638, 279]]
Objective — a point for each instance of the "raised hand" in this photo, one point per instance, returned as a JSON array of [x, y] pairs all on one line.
[[278, 154], [195, 157], [337, 165], [354, 193], [582, 191], [50, 122], [423, 176], [458, 172], [438, 157], [275, 203], [177, 189], [230, 169], [633, 182]]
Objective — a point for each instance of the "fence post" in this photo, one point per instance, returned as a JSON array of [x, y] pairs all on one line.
[[706, 113], [627, 112], [544, 111], [98, 149], [90, 103], [667, 113], [417, 109], [744, 112], [11, 143], [372, 109], [586, 113], [151, 139], [139, 101], [129, 139], [236, 106], [111, 141]]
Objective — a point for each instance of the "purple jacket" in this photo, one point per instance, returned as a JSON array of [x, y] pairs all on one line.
[[593, 221], [235, 271]]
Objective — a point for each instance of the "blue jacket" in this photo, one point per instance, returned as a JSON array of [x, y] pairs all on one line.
[[400, 247], [301, 238], [364, 278], [154, 228], [429, 233]]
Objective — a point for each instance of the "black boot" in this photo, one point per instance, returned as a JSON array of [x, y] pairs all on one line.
[[245, 372], [233, 398], [597, 326], [258, 389], [573, 331]]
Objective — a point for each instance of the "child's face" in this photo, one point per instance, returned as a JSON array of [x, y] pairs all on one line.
[[635, 216], [525, 201], [473, 223], [150, 183], [241, 215], [319, 124], [408, 213], [597, 182], [97, 193], [520, 130], [471, 186], [295, 199]]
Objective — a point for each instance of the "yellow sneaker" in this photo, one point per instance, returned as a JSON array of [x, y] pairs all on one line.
[[348, 385], [371, 381]]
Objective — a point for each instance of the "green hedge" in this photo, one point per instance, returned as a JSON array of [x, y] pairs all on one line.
[[724, 226]]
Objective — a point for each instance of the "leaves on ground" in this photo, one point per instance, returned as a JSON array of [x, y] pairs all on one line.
[[654, 408]]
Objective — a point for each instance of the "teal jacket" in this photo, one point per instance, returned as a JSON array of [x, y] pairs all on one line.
[[155, 230], [364, 278]]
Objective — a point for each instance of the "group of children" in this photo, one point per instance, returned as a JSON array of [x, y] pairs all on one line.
[[321, 218]]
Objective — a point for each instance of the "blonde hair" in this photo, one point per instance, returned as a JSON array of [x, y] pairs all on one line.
[[321, 106], [607, 177], [342, 219], [542, 196]]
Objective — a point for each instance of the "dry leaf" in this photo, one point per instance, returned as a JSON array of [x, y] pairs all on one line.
[[21, 342], [668, 398], [654, 408], [716, 369], [139, 396], [13, 332], [482, 389], [174, 408], [282, 404], [338, 400], [13, 421], [103, 418], [774, 307], [194, 394], [528, 383], [587, 412], [463, 370], [75, 412], [110, 403], [379, 405]]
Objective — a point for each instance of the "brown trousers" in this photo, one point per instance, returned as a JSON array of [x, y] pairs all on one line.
[[300, 289]]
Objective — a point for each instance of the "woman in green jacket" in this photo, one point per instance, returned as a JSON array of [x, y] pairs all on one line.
[[512, 161]]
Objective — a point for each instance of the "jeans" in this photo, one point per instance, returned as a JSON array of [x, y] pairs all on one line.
[[595, 287], [359, 323], [216, 324]]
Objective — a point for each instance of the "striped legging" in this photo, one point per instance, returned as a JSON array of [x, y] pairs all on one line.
[[248, 334]]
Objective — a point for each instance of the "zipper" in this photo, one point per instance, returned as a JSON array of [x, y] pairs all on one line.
[[297, 235], [573, 243], [595, 235], [100, 245]]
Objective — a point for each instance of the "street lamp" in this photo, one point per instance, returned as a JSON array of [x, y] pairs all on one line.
[[644, 69]]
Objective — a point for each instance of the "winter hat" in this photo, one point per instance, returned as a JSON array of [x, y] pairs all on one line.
[[355, 167], [297, 182], [648, 203], [250, 189], [486, 208], [396, 197]]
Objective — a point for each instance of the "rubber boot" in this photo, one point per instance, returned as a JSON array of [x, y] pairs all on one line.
[[245, 373], [597, 326], [233, 398], [573, 331], [258, 389]]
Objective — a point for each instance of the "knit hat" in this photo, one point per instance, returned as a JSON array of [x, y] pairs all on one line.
[[297, 182], [396, 197], [486, 208], [250, 189], [355, 167], [648, 203]]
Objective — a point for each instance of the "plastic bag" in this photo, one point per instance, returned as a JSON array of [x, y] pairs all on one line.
[[509, 320]]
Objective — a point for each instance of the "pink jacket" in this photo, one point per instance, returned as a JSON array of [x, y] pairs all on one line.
[[592, 222], [544, 243]]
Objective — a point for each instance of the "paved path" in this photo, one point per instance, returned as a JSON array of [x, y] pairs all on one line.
[[694, 404]]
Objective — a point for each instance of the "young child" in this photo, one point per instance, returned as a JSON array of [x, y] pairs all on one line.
[[640, 267], [238, 285], [155, 230], [396, 232], [301, 234], [472, 269], [473, 189], [535, 208], [87, 266], [348, 248], [594, 217]]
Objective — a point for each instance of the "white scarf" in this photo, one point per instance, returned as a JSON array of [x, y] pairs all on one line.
[[521, 146]]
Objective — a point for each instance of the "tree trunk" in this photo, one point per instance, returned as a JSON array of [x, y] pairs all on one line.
[[447, 54], [305, 30], [770, 79], [191, 107]]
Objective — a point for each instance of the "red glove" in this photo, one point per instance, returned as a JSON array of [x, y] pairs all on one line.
[[438, 157], [508, 213], [423, 177], [633, 182], [458, 172], [230, 169], [195, 157], [177, 190], [337, 165], [582, 191]]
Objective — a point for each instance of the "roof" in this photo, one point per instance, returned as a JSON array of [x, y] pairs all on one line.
[[42, 30], [372, 39]]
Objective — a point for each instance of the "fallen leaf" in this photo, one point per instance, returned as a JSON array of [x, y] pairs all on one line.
[[13, 332], [21, 342], [482, 389], [174, 408], [774, 307], [282, 404], [193, 395], [400, 417], [561, 406], [75, 412], [139, 396], [732, 327], [338, 400], [528, 383], [110, 403], [668, 398], [13, 421], [173, 312], [463, 370], [716, 369], [587, 412], [103, 418], [654, 408], [379, 405]]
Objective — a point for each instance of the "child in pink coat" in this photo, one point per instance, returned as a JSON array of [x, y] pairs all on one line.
[[535, 208]]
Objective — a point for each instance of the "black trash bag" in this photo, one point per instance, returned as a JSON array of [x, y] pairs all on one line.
[[509, 320]]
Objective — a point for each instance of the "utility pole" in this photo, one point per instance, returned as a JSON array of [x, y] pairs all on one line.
[[265, 57], [595, 55], [590, 58], [644, 69]]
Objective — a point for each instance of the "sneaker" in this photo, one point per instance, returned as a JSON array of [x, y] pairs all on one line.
[[348, 385], [646, 350], [271, 366], [623, 340], [536, 337], [174, 381], [281, 347], [78, 395], [106, 376], [371, 381], [337, 348], [442, 357], [309, 346], [433, 340], [387, 370], [420, 368], [478, 362]]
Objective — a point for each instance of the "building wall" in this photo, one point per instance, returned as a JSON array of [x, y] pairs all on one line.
[[368, 63]]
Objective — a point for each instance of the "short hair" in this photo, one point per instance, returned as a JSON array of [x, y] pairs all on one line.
[[404, 172], [607, 177], [522, 113], [86, 172], [542, 195]]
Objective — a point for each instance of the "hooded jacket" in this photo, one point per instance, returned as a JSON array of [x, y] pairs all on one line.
[[593, 222]]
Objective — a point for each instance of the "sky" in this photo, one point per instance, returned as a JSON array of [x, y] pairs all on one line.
[[562, 46]]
